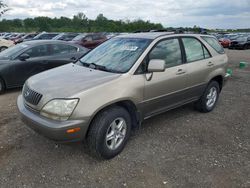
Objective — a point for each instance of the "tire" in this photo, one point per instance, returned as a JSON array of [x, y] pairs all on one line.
[[209, 98], [2, 86], [106, 124], [2, 48]]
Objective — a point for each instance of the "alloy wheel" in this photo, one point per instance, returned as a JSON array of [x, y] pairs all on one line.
[[116, 133]]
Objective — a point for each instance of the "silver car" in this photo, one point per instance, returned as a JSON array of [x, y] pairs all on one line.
[[122, 82]]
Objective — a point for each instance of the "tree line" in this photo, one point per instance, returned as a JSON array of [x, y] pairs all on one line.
[[79, 23]]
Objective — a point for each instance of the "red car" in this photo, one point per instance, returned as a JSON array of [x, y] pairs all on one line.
[[225, 42], [89, 41]]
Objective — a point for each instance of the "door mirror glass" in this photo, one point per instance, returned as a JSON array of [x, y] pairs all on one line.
[[23, 57], [156, 65]]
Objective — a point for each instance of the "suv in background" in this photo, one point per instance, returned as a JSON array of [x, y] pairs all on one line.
[[89, 40], [122, 82]]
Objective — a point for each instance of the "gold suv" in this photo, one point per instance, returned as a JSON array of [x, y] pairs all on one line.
[[122, 82]]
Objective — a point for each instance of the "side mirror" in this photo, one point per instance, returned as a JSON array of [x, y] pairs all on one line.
[[156, 65], [23, 57]]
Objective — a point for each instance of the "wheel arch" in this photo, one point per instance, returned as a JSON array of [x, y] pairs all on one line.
[[128, 105], [219, 79]]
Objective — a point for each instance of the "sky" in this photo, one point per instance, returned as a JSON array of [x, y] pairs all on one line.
[[223, 14]]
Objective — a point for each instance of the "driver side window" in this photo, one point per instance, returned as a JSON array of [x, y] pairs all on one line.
[[37, 51], [168, 50]]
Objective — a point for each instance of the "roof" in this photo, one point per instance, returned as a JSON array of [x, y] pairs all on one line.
[[146, 35], [41, 42], [154, 35], [35, 42]]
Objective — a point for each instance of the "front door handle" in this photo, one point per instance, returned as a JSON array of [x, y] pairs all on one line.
[[210, 64], [180, 72]]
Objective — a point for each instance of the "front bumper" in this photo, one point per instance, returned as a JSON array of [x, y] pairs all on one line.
[[55, 130]]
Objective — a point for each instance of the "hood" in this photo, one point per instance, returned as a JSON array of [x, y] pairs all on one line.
[[68, 80]]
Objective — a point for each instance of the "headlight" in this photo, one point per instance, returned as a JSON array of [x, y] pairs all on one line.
[[59, 109]]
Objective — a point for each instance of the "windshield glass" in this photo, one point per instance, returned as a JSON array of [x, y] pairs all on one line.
[[58, 36], [117, 54], [12, 51]]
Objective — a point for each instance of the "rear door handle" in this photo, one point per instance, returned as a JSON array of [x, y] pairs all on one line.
[[210, 64], [180, 72]]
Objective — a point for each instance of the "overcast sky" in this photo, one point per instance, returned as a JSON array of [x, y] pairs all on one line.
[[205, 13]]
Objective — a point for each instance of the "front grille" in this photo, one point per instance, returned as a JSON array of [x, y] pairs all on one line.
[[31, 96]]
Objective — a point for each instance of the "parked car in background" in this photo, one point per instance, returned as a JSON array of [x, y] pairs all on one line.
[[16, 37], [5, 35], [240, 43], [65, 36], [4, 44], [225, 42], [231, 36], [89, 41], [122, 82], [26, 37], [20, 62], [45, 36]]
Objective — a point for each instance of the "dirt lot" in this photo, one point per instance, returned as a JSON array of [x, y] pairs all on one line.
[[180, 148]]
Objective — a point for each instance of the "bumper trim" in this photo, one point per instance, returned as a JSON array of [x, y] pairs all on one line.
[[55, 130]]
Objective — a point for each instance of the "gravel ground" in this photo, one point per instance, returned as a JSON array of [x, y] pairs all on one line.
[[180, 148]]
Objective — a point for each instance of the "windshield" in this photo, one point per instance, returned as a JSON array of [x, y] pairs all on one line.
[[12, 51], [58, 36], [117, 54]]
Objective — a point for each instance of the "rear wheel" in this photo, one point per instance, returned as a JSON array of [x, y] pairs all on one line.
[[109, 132], [2, 48], [209, 99], [2, 86]]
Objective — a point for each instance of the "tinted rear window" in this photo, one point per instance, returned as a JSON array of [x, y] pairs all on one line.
[[214, 44]]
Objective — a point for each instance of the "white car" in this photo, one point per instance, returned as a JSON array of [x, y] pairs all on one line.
[[4, 44]]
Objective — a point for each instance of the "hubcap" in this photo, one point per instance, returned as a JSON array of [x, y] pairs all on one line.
[[116, 133], [211, 97]]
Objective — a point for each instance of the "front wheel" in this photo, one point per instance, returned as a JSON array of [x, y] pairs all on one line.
[[109, 132], [209, 99]]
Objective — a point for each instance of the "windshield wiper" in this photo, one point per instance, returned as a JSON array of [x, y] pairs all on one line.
[[98, 67], [83, 63]]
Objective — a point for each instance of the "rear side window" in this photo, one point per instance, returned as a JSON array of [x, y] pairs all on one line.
[[194, 49], [168, 50], [38, 51], [214, 44], [62, 49]]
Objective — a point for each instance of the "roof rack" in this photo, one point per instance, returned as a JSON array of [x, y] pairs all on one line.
[[160, 30]]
